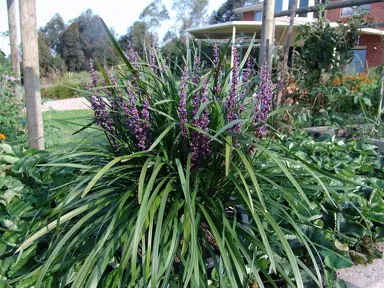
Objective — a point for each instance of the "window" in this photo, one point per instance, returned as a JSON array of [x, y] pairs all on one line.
[[278, 5], [358, 61], [301, 3], [258, 15], [348, 11]]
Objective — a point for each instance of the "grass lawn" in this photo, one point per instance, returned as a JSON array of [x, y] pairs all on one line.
[[60, 125]]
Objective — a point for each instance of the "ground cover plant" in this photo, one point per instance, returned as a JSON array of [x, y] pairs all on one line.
[[189, 186], [358, 215]]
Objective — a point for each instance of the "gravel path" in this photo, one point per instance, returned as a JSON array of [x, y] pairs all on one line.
[[67, 104]]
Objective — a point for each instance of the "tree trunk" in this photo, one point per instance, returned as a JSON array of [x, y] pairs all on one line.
[[31, 72], [11, 4]]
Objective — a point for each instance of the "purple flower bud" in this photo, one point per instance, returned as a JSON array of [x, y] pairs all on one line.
[[183, 104], [93, 73], [196, 81], [263, 100], [216, 59], [152, 61]]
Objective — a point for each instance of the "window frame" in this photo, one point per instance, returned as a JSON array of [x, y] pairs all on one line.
[[363, 63], [354, 8], [254, 15]]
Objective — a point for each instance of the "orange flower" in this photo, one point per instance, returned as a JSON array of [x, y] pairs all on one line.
[[2, 136]]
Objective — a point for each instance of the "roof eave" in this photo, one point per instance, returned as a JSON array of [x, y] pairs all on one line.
[[255, 7]]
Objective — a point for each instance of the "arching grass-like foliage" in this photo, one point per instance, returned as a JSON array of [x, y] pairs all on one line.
[[190, 190]]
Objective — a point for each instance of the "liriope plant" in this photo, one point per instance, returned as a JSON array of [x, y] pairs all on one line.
[[187, 190]]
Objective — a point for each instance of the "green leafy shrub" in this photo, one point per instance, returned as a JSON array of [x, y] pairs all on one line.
[[68, 85], [325, 48], [12, 118], [63, 90]]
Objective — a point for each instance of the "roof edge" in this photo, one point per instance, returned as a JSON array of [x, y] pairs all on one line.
[[248, 8]]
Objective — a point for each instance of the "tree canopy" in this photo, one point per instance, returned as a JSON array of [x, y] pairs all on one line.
[[225, 12]]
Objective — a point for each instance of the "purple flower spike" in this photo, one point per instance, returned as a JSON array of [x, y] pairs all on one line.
[[216, 55], [264, 97], [134, 121], [102, 117], [132, 56], [201, 144], [183, 104], [93, 73], [196, 81], [152, 61], [216, 59]]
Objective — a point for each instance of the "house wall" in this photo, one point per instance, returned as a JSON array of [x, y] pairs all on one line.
[[375, 49], [376, 12], [373, 43], [249, 16]]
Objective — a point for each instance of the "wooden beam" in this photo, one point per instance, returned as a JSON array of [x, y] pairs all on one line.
[[330, 6], [31, 72], [267, 34], [374, 25], [15, 62]]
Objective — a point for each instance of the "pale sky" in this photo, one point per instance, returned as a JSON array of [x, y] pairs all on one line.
[[119, 14]]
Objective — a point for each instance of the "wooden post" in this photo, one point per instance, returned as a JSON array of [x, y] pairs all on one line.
[[286, 53], [381, 97], [267, 34], [233, 43], [11, 4], [31, 72]]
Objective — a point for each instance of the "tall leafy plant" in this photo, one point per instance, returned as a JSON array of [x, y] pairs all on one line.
[[186, 192]]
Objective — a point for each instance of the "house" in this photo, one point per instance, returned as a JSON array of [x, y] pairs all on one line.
[[370, 49], [368, 53]]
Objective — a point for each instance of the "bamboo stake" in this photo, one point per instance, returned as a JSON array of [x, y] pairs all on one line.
[[286, 54]]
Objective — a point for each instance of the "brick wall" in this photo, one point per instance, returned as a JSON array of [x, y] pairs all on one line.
[[373, 43], [249, 16], [375, 49], [376, 12]]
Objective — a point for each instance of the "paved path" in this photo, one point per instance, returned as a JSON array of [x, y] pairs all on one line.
[[67, 104], [364, 276]]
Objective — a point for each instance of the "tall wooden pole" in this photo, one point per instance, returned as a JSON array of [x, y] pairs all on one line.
[[286, 53], [31, 72], [11, 4], [267, 34]]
